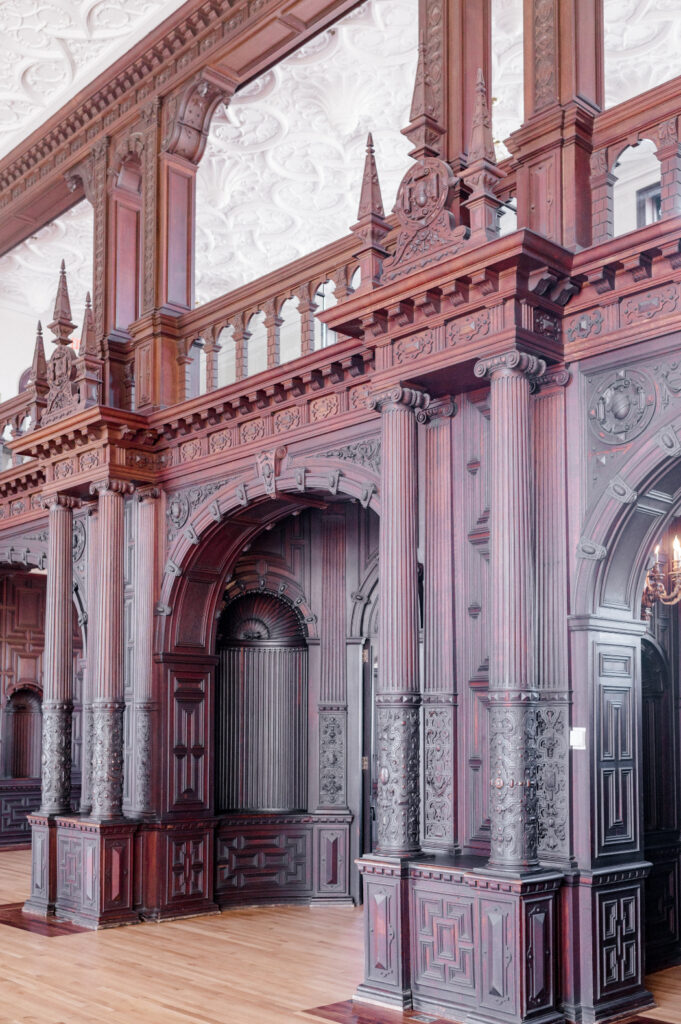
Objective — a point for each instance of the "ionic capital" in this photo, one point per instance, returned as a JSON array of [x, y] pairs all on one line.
[[100, 487], [511, 362], [439, 412], [147, 493], [51, 501], [399, 397]]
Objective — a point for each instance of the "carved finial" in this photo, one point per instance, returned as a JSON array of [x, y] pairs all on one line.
[[424, 130], [39, 364], [88, 343], [482, 142], [371, 227], [62, 325], [370, 200]]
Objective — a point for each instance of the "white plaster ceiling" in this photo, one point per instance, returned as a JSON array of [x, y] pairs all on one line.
[[51, 49], [282, 169]]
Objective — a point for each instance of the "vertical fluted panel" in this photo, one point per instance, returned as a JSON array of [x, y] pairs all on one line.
[[262, 729], [144, 631], [333, 613], [512, 664], [58, 661], [551, 526], [398, 571], [397, 691], [108, 682]]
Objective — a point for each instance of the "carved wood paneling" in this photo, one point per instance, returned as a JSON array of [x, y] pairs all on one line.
[[617, 774], [263, 861]]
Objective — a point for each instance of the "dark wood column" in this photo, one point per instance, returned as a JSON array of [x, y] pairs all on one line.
[[397, 697], [108, 693], [144, 706], [58, 670], [513, 692]]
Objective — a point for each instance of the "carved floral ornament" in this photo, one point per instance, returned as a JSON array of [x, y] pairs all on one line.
[[622, 406]]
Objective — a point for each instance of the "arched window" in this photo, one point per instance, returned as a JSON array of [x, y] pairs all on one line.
[[290, 331], [256, 347], [195, 372], [226, 357], [637, 190], [22, 739], [325, 298], [261, 735], [356, 279]]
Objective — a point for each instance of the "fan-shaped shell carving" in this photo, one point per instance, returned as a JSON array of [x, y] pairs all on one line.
[[261, 618]]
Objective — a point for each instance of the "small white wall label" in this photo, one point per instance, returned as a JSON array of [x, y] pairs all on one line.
[[578, 738]]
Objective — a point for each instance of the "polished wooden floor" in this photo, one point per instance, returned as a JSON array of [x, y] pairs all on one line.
[[260, 966]]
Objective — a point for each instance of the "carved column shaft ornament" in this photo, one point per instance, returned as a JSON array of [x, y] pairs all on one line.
[[397, 710], [108, 678], [513, 694], [58, 658]]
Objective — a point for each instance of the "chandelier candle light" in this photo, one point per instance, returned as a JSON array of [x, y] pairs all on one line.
[[655, 589]]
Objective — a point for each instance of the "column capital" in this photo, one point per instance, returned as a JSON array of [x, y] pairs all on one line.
[[51, 501], [100, 487], [399, 396], [513, 361], [440, 411], [147, 493]]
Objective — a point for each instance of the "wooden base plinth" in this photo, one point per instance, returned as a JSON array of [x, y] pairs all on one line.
[[94, 872], [43, 865]]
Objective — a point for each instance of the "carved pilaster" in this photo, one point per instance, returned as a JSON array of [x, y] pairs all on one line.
[[513, 694], [398, 698], [144, 708], [333, 683], [439, 683]]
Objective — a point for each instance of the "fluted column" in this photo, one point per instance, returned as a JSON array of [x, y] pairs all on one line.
[[144, 628], [108, 700], [397, 691], [58, 659], [513, 692]]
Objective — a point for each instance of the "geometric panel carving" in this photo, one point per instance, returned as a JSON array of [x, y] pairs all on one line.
[[382, 963], [616, 740], [619, 938], [498, 943], [187, 866], [189, 743], [443, 941], [264, 862]]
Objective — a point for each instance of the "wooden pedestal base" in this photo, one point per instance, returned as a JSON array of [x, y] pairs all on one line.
[[94, 872], [43, 865], [444, 938]]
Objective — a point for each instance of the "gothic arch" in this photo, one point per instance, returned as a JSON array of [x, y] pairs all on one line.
[[201, 557]]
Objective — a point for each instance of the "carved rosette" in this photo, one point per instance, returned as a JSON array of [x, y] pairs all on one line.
[[332, 729], [107, 758], [513, 766], [56, 757], [397, 799], [143, 762]]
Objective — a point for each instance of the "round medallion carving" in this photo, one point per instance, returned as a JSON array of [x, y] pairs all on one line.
[[79, 538], [178, 511], [423, 192], [622, 407]]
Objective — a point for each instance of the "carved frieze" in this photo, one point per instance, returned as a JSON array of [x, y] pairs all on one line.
[[622, 406], [657, 302], [438, 753], [513, 767], [585, 325], [56, 757], [363, 453], [552, 780], [107, 759], [253, 430], [323, 407], [468, 328], [414, 345]]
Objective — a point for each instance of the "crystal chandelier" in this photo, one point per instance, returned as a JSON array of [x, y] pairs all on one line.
[[656, 588]]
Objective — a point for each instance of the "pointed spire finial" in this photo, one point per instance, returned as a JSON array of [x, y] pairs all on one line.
[[424, 129], [370, 200], [88, 342], [482, 142], [62, 325], [39, 364]]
